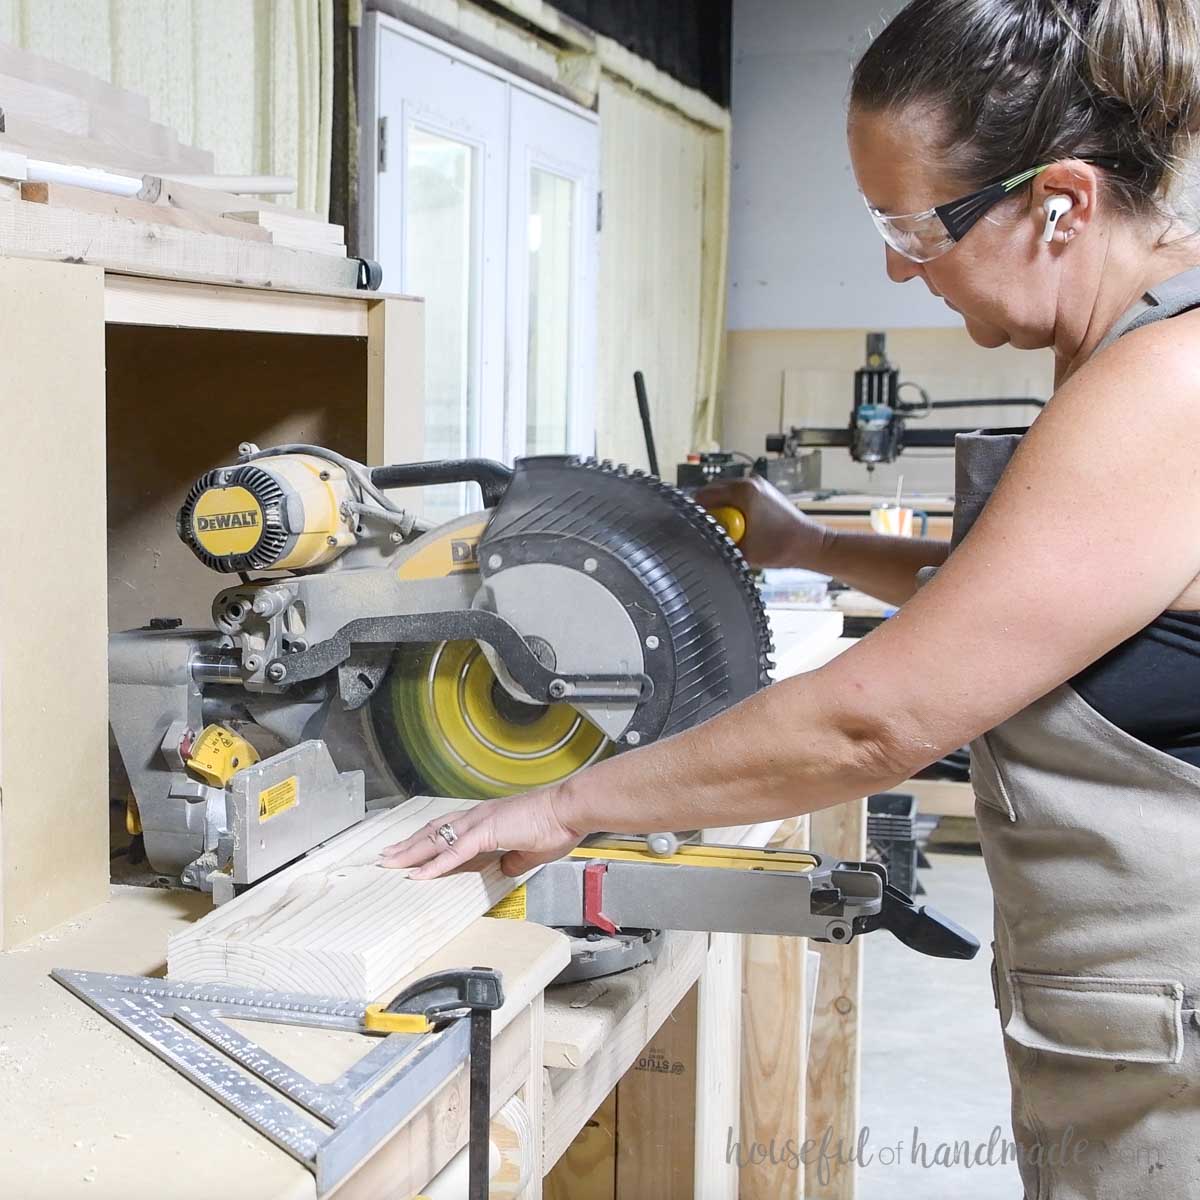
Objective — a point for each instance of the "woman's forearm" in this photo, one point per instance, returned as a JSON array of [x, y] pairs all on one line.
[[880, 565], [780, 753]]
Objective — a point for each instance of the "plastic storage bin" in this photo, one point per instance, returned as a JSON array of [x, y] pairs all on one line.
[[792, 587]]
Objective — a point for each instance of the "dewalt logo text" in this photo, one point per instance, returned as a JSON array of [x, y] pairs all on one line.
[[230, 520]]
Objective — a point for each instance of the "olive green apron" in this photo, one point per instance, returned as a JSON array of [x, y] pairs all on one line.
[[1092, 844]]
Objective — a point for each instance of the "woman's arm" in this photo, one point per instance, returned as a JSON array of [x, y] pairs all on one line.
[[1094, 531], [778, 534], [882, 566]]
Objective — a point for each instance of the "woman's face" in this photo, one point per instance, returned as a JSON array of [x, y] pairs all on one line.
[[996, 277]]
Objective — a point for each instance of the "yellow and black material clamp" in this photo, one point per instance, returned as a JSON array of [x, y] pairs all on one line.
[[433, 1001], [436, 999]]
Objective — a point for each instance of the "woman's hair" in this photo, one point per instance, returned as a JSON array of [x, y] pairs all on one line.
[[1019, 83]]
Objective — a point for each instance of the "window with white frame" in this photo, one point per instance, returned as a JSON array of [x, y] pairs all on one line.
[[485, 203]]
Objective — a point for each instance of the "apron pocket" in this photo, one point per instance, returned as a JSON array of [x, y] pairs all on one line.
[[1120, 1020], [986, 781]]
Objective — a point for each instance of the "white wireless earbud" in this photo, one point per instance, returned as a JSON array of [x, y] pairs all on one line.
[[1056, 208]]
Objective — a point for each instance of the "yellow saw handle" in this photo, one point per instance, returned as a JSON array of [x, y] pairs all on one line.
[[734, 521]]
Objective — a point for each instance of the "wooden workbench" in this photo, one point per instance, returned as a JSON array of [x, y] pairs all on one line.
[[87, 1112], [761, 1041]]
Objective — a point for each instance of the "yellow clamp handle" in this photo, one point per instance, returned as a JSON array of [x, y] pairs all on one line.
[[377, 1019], [734, 521]]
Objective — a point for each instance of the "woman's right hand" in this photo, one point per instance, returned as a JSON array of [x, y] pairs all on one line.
[[777, 533]]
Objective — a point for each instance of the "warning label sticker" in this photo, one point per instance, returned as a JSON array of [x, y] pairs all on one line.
[[278, 798], [512, 907]]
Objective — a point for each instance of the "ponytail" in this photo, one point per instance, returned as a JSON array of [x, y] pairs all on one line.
[[1145, 55]]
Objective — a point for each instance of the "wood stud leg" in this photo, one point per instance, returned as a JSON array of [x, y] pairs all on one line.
[[834, 1056], [719, 1033], [396, 386], [532, 1095], [656, 1102], [775, 1018]]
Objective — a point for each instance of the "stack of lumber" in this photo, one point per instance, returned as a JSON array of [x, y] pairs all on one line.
[[87, 176]]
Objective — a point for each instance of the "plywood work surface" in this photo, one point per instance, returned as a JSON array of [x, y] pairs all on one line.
[[87, 1112], [84, 1109], [336, 923]]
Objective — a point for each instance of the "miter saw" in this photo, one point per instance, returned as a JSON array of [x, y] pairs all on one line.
[[362, 657]]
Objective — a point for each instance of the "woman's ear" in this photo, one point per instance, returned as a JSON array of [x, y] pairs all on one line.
[[1064, 199]]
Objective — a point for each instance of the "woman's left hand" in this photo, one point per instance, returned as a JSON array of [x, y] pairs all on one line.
[[527, 827]]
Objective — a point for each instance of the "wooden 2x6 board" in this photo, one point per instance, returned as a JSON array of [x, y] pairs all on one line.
[[336, 923]]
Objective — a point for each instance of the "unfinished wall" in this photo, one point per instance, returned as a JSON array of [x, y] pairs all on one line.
[[661, 255], [802, 252]]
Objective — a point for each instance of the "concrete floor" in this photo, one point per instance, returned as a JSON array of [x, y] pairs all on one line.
[[932, 1059]]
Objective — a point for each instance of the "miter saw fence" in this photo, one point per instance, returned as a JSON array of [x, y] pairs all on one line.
[[586, 609]]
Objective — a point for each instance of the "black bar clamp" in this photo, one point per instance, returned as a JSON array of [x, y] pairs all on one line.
[[450, 995]]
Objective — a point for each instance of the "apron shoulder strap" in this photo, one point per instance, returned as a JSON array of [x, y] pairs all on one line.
[[1179, 294], [980, 457]]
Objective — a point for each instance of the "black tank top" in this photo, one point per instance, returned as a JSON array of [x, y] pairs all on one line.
[[1149, 686]]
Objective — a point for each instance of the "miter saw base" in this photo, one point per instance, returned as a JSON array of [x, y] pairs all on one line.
[[595, 955]]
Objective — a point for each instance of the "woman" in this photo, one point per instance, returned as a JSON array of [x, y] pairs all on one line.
[[1061, 634]]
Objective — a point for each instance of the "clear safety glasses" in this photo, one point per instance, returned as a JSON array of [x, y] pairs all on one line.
[[922, 237]]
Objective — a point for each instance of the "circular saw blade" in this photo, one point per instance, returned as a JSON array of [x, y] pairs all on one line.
[[447, 726], [683, 585]]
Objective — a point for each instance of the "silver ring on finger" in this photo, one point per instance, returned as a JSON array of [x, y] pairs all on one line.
[[447, 834]]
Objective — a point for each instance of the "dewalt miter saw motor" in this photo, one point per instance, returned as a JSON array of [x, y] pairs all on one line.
[[364, 657], [291, 513]]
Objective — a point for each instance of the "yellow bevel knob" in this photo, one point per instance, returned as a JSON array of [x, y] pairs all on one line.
[[734, 521]]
